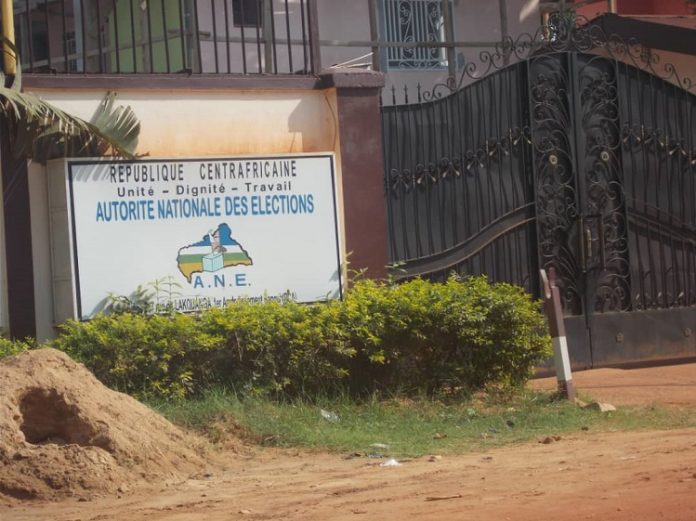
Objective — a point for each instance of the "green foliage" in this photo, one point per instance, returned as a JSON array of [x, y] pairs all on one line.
[[158, 355], [413, 337], [13, 347], [456, 336]]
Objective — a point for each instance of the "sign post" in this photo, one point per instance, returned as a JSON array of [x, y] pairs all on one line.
[[554, 313]]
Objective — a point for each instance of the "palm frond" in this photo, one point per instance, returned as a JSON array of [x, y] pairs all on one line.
[[41, 131]]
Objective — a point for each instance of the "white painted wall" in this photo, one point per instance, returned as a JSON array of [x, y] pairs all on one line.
[[194, 123], [41, 250]]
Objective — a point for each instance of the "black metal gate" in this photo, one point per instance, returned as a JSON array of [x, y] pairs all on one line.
[[580, 157]]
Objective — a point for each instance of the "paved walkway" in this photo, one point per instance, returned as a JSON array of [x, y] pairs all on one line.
[[667, 385]]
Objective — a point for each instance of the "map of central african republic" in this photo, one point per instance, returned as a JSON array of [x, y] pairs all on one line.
[[217, 250]]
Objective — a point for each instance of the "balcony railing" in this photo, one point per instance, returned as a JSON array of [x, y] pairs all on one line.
[[167, 36]]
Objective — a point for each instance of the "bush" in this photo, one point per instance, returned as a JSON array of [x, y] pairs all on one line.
[[460, 335], [413, 337], [286, 348], [13, 347], [149, 356]]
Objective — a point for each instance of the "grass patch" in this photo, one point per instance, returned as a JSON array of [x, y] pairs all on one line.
[[409, 427]]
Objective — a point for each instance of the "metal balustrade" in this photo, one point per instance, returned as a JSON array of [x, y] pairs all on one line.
[[166, 36]]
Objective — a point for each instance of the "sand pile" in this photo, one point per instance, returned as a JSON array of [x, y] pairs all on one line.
[[62, 433]]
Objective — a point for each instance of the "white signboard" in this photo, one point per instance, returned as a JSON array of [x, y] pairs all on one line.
[[200, 233]]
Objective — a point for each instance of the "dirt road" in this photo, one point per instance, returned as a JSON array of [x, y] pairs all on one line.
[[600, 476], [606, 477], [666, 385]]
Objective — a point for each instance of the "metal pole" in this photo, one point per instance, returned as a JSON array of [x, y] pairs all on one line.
[[374, 34], [449, 38], [313, 23], [504, 31], [10, 60], [554, 313], [612, 6]]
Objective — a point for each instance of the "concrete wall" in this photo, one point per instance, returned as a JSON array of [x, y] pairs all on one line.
[[194, 123], [473, 21], [184, 124]]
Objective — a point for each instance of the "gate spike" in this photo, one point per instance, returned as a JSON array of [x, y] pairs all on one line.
[[406, 94], [418, 89], [393, 95]]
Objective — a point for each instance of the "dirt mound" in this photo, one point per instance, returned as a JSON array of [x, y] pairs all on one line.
[[62, 433]]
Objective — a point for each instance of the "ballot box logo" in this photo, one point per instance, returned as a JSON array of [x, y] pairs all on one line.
[[217, 250]]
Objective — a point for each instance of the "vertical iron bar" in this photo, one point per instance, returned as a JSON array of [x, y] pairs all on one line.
[[504, 30], [65, 35], [31, 37], [183, 36], [198, 36], [627, 154], [48, 34], [273, 36], [287, 33], [388, 185], [428, 185], [657, 110], [449, 38], [689, 215], [100, 45], [135, 51], [84, 37], [227, 36], [314, 49], [259, 10], [241, 27], [213, 18], [421, 135], [149, 38], [534, 246], [117, 45], [166, 36], [446, 138], [374, 33], [401, 172], [671, 182], [304, 37], [457, 158], [647, 177]]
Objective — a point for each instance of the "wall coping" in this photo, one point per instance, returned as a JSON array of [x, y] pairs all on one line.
[[329, 78]]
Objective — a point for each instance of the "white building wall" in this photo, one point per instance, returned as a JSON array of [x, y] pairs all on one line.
[[41, 251]]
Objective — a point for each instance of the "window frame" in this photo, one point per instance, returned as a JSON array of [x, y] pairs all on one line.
[[421, 58]]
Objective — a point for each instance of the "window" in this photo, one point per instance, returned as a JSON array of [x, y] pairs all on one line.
[[246, 13], [414, 21]]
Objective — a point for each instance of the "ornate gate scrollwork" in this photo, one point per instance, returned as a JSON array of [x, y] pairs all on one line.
[[579, 156]]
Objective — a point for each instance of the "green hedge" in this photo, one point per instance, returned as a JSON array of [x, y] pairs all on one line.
[[413, 337], [12, 347]]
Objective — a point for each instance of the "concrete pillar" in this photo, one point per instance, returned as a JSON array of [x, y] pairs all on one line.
[[18, 252], [362, 168]]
